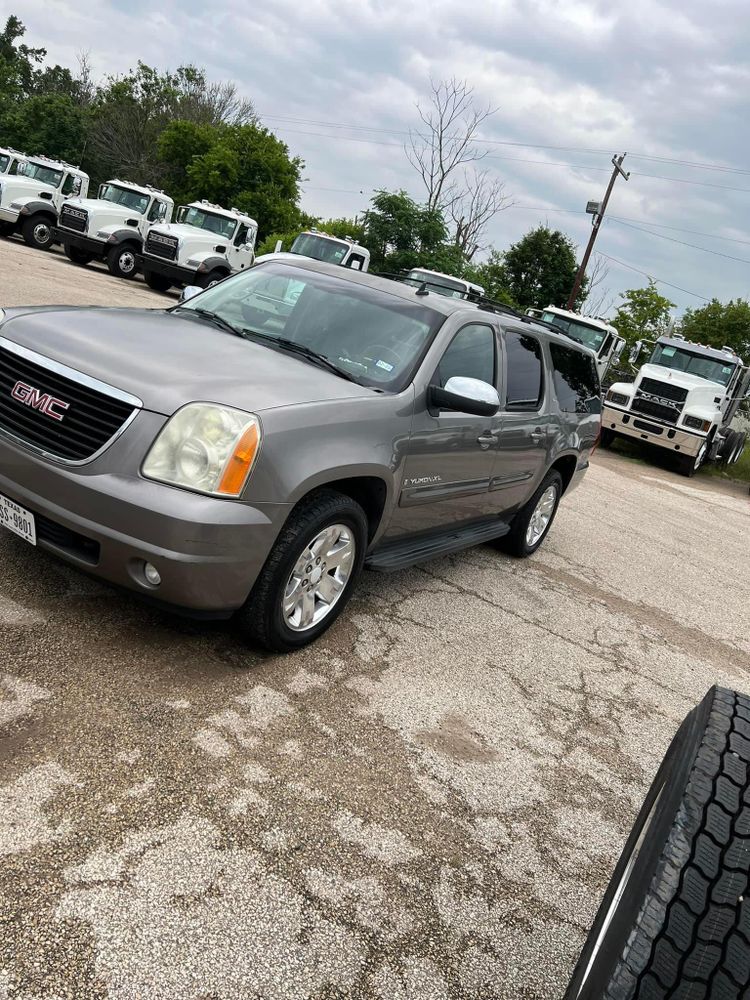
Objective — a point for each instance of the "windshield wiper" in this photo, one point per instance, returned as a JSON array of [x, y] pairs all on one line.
[[306, 352], [214, 318]]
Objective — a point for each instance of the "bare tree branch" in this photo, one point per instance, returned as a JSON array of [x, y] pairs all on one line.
[[482, 198], [598, 301]]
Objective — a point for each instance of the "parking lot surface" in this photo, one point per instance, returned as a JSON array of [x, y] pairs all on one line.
[[426, 804]]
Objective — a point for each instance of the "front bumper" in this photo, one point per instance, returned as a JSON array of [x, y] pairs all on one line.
[[167, 269], [86, 243], [642, 428], [8, 215], [208, 552]]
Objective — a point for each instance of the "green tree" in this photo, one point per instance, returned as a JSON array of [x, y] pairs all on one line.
[[18, 62], [53, 124], [644, 313], [720, 324], [401, 234], [493, 278], [540, 269]]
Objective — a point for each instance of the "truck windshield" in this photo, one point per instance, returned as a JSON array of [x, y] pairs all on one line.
[[372, 335], [589, 336], [320, 248], [452, 288], [44, 174], [133, 200], [681, 360], [212, 223], [4, 161]]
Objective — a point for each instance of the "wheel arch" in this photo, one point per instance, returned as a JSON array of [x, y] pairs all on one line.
[[369, 491], [566, 465]]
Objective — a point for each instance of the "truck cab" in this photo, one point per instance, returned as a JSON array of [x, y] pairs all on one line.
[[683, 399], [317, 245], [444, 284], [591, 331], [11, 161], [30, 201], [112, 227], [205, 244]]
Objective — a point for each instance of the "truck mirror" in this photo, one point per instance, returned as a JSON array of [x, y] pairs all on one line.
[[635, 350]]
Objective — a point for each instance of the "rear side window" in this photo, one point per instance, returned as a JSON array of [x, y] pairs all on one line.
[[524, 363], [471, 354], [575, 378]]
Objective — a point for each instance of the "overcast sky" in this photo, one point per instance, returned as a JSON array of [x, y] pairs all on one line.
[[664, 80]]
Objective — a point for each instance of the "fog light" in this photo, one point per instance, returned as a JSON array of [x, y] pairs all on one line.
[[152, 574]]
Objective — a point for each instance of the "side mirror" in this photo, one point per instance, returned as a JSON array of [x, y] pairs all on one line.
[[189, 292], [465, 395], [635, 350], [617, 352]]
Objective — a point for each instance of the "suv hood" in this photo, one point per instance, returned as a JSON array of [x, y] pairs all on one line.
[[167, 359], [683, 379]]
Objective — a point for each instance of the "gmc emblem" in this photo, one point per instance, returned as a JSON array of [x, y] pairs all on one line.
[[30, 396]]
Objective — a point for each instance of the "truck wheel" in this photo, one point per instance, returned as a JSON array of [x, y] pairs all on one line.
[[157, 281], [6, 229], [688, 465], [531, 524], [121, 261], [738, 448], [310, 574], [212, 278], [606, 437], [37, 232], [675, 920], [729, 446], [77, 256]]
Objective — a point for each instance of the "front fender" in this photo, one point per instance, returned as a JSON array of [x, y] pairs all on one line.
[[36, 206], [210, 263], [127, 235]]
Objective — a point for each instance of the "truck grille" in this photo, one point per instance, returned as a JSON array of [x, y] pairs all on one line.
[[664, 389], [661, 400], [658, 410], [73, 433], [161, 246], [76, 219]]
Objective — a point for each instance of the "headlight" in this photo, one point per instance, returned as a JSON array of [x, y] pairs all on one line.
[[696, 423], [205, 447], [16, 204], [102, 235], [618, 398]]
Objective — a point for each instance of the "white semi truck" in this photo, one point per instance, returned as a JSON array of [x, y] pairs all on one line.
[[322, 246], [204, 245], [30, 201], [591, 331], [11, 161], [683, 400], [443, 284], [113, 226]]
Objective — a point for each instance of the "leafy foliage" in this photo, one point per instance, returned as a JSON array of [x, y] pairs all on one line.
[[401, 234], [720, 324], [540, 269], [644, 314]]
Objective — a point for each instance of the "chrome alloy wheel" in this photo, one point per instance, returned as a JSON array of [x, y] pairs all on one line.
[[42, 234], [319, 577], [542, 516], [126, 261]]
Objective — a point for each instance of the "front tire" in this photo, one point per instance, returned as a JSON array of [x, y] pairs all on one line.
[[531, 524], [606, 437], [157, 281], [121, 262], [77, 256], [37, 232], [688, 465], [310, 574], [675, 918], [210, 279]]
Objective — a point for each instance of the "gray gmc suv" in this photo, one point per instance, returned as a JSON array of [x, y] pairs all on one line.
[[252, 449]]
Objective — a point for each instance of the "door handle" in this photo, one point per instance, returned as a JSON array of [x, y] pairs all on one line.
[[538, 435], [485, 440]]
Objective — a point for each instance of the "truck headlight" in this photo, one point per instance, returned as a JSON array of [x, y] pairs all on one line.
[[618, 398], [697, 424], [205, 447]]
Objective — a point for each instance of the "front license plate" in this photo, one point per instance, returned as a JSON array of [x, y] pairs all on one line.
[[20, 521]]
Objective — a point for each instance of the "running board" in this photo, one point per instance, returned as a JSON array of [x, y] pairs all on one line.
[[401, 554]]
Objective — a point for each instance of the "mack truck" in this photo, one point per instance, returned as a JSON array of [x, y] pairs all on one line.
[[593, 332], [30, 201], [444, 284], [683, 400], [318, 245], [112, 226], [11, 161], [205, 244]]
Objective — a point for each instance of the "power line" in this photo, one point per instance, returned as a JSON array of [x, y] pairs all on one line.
[[677, 229], [651, 277], [697, 164], [693, 246]]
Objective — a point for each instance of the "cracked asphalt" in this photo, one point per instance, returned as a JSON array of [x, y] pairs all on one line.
[[427, 804]]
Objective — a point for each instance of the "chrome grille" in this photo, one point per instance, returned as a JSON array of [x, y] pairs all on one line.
[[76, 219], [161, 246]]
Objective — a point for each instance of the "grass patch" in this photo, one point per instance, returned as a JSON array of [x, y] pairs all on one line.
[[740, 471]]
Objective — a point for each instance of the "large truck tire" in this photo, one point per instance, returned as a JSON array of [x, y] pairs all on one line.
[[739, 447], [157, 281], [675, 920], [77, 256], [37, 232], [688, 465], [121, 261], [729, 446], [606, 437], [212, 278]]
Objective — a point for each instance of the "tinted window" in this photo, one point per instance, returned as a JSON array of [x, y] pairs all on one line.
[[471, 355], [524, 363], [575, 378]]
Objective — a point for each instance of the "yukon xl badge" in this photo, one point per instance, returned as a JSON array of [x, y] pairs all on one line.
[[29, 395]]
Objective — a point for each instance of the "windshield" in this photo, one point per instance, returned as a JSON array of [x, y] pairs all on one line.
[[320, 248], [452, 288], [374, 336], [40, 172], [694, 364], [4, 161], [590, 336], [133, 200], [218, 224]]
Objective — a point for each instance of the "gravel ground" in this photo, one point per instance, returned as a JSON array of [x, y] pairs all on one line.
[[427, 804]]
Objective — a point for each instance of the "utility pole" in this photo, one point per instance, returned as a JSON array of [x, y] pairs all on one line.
[[598, 217]]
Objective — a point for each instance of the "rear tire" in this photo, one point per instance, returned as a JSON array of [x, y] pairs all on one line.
[[738, 448], [121, 262], [77, 256], [674, 921], [522, 540], [263, 619], [37, 232], [157, 281]]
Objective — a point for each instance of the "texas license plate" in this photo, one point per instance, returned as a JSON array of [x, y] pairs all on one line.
[[18, 520]]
